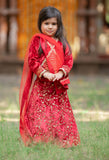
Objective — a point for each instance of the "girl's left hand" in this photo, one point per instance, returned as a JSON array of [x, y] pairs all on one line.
[[58, 75]]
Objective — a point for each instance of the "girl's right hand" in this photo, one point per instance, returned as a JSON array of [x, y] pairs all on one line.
[[49, 76]]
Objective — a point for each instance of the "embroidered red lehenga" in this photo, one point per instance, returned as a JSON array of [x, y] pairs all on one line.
[[45, 111]]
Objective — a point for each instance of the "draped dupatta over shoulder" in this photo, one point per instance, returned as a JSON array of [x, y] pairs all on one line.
[[55, 60]]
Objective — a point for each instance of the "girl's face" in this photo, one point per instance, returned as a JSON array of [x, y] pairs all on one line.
[[49, 26]]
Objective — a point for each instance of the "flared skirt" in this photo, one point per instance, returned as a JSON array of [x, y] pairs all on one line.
[[49, 116]]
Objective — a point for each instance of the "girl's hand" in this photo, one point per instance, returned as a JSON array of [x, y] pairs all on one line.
[[58, 75], [49, 76]]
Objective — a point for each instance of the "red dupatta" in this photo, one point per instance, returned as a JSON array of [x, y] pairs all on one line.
[[27, 80]]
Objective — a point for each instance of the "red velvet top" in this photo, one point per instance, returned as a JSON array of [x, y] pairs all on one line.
[[38, 63]]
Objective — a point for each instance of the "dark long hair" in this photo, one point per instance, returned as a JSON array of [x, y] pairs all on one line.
[[49, 12]]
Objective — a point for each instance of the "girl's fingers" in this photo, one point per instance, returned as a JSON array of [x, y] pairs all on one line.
[[50, 76], [54, 79]]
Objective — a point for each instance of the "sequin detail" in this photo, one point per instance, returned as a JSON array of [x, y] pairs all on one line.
[[49, 116]]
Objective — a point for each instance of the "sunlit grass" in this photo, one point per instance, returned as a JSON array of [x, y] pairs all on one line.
[[89, 93]]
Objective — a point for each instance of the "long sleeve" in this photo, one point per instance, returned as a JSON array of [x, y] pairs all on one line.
[[35, 59], [68, 62]]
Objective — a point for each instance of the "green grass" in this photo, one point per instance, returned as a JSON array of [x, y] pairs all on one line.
[[89, 92], [94, 144], [85, 93]]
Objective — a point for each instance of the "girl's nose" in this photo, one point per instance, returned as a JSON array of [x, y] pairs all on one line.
[[50, 26]]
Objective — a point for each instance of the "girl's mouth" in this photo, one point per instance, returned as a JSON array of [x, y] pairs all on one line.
[[50, 31]]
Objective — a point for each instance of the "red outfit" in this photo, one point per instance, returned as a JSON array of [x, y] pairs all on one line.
[[46, 113]]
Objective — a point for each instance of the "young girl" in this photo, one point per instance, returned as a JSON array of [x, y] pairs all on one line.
[[45, 111]]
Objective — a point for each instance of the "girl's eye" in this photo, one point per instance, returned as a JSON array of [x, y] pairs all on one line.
[[54, 23], [46, 23]]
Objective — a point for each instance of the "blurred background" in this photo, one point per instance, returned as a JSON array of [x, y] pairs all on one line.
[[86, 23], [87, 27]]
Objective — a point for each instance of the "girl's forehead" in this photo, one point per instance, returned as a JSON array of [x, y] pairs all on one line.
[[53, 19]]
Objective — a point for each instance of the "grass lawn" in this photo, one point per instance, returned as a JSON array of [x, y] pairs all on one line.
[[89, 100]]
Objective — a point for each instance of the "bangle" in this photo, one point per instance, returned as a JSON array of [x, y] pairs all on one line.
[[41, 74]]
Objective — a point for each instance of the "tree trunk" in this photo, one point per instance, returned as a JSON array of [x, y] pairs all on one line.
[[13, 28], [3, 28]]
